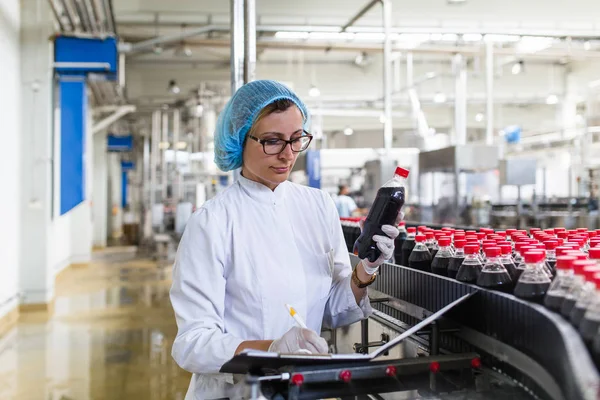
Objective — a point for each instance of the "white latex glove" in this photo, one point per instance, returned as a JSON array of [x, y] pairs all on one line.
[[299, 340], [385, 244]]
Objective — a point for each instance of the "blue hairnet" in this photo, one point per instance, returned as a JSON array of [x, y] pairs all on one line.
[[239, 114]]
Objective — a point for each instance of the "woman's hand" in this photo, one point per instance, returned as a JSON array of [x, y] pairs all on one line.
[[385, 244], [299, 340]]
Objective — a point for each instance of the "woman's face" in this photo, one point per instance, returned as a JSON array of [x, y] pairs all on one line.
[[271, 170]]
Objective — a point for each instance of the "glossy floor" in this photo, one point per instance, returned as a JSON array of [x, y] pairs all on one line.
[[110, 337]]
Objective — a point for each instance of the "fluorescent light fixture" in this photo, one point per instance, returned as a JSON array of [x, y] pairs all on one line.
[[430, 75], [449, 37], [436, 37], [501, 38], [314, 91], [199, 110], [587, 45], [181, 145], [439, 97], [164, 145], [533, 44], [331, 35], [348, 131], [479, 117], [412, 40], [472, 37], [456, 2], [517, 68], [552, 99], [291, 35]]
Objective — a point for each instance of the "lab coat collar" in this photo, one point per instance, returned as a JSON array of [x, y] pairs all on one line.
[[260, 192]]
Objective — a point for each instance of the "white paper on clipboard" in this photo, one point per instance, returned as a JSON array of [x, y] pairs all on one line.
[[374, 354]]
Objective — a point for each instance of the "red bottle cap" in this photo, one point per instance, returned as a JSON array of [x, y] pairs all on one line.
[[488, 241], [486, 230], [597, 280], [510, 231], [549, 231], [480, 235], [577, 254], [402, 223], [444, 241], [582, 229], [505, 249], [429, 235], [420, 238], [460, 243], [402, 172], [579, 265], [471, 231], [551, 244], [590, 270], [592, 234], [565, 262], [561, 250], [411, 230], [562, 234], [534, 256], [471, 249], [594, 253], [531, 230], [438, 235], [492, 251]]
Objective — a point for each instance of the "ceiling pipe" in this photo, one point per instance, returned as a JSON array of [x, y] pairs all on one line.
[[99, 11], [82, 17], [359, 15], [56, 16], [114, 117], [110, 19], [91, 15], [69, 15], [147, 44]]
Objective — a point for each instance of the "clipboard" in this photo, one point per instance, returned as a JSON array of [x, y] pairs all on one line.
[[250, 360]]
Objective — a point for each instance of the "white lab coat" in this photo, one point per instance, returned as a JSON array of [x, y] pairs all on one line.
[[243, 256]]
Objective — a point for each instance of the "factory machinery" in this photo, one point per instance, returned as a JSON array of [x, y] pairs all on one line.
[[492, 345]]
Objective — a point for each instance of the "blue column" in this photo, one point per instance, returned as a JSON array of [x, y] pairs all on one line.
[[313, 168], [73, 112], [124, 189]]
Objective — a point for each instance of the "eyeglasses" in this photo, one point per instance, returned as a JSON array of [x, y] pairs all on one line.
[[275, 146]]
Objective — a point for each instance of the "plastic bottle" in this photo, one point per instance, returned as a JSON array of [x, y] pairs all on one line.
[[408, 246], [494, 275], [534, 281], [431, 243], [457, 258], [471, 267], [441, 261], [594, 255], [399, 242], [385, 210], [561, 284], [507, 262], [586, 294], [521, 265], [590, 322], [551, 246], [578, 281], [420, 258]]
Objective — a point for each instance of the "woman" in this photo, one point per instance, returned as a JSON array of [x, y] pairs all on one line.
[[261, 243]]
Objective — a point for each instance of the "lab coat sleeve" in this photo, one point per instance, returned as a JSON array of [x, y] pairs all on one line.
[[198, 297], [341, 308]]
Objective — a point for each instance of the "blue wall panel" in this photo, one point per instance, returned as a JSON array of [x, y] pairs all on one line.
[[73, 109], [313, 168], [124, 189], [86, 50]]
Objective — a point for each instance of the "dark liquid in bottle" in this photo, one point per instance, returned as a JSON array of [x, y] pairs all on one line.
[[531, 291], [407, 248], [512, 271], [596, 348], [495, 280], [553, 301], [398, 243], [384, 211], [439, 265], [551, 264], [588, 329], [420, 260], [567, 306], [577, 314], [454, 266], [468, 273]]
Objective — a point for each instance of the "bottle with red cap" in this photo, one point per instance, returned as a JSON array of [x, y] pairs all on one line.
[[590, 323], [534, 281], [441, 261], [587, 293], [522, 248], [399, 242], [594, 254], [507, 261], [385, 210], [420, 257], [431, 243], [458, 257], [408, 246], [471, 267], [578, 281], [561, 284], [551, 246], [494, 275]]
